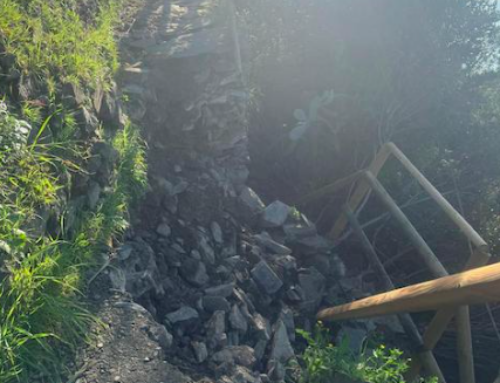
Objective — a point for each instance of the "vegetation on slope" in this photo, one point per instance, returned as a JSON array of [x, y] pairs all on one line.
[[323, 362], [48, 245]]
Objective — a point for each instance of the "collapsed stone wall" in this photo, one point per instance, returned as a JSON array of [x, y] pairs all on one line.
[[228, 277]]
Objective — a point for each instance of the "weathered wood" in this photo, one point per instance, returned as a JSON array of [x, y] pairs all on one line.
[[423, 249], [362, 188], [464, 346], [443, 317], [450, 211], [409, 326], [469, 287], [331, 188]]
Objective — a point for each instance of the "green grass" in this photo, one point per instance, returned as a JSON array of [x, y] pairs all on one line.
[[322, 361], [42, 319], [53, 44]]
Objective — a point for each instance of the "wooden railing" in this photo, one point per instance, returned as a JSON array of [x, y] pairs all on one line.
[[456, 291]]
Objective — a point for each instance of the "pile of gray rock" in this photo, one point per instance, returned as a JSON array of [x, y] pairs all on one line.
[[229, 277], [227, 284]]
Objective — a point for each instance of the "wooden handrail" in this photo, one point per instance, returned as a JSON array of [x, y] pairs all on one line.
[[450, 211], [361, 190], [470, 287], [423, 249]]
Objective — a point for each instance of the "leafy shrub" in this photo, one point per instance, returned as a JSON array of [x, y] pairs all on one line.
[[323, 362]]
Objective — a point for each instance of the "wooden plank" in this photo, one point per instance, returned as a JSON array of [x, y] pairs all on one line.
[[469, 287], [423, 249], [361, 190], [450, 211], [464, 346], [428, 360], [331, 188]]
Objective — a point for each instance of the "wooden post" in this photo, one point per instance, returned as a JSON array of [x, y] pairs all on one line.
[[430, 364], [469, 287], [450, 211], [424, 250], [409, 326], [440, 321], [361, 190], [464, 346]]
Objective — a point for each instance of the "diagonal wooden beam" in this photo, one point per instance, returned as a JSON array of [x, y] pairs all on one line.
[[411, 330], [423, 249], [361, 190], [450, 211]]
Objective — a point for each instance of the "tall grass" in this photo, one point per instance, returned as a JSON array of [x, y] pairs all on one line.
[[50, 40], [42, 318]]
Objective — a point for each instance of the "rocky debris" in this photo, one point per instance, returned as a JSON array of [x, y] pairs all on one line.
[[282, 350], [266, 278], [194, 271], [225, 273], [164, 230], [183, 314], [212, 303], [200, 351], [275, 214], [312, 284], [251, 202], [266, 241], [237, 320], [222, 290], [241, 355]]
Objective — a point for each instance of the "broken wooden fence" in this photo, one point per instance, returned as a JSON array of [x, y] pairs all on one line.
[[448, 295]]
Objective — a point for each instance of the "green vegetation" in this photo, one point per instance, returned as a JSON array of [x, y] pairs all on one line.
[[51, 41], [48, 242], [322, 361], [41, 318]]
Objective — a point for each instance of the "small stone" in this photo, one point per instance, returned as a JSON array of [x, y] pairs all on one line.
[[242, 355], [237, 320], [217, 233], [194, 272], [100, 345], [164, 230], [251, 200], [224, 291], [262, 327], [147, 359], [162, 336], [117, 379], [275, 214], [200, 351], [265, 240], [282, 350], [185, 313], [266, 278], [212, 303], [312, 283], [216, 328]]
